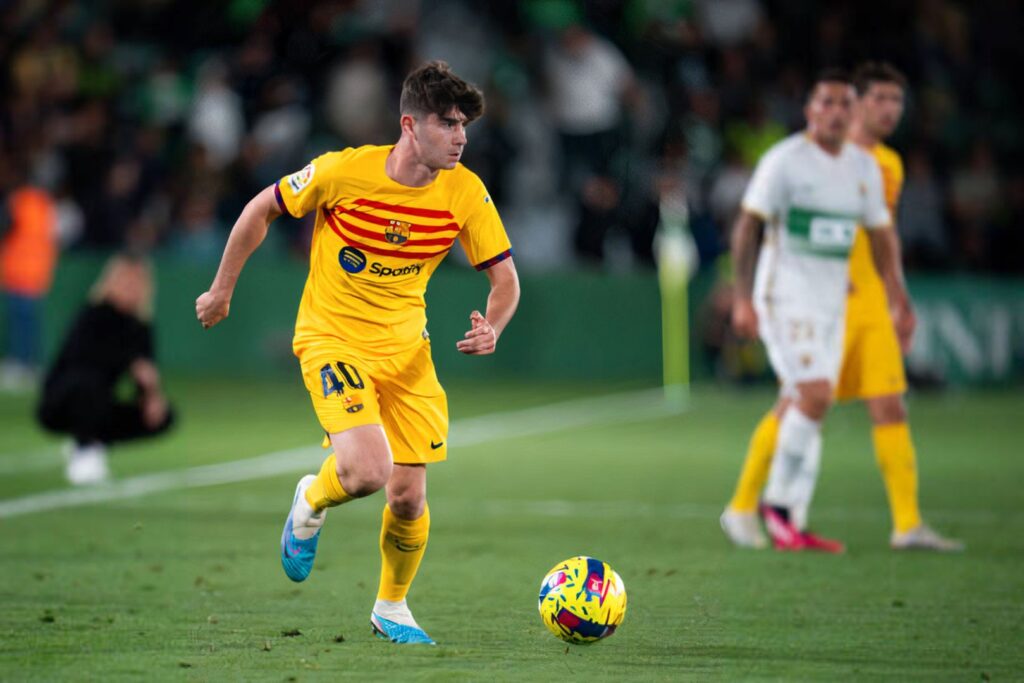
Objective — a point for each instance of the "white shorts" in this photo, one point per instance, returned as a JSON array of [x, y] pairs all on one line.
[[803, 344]]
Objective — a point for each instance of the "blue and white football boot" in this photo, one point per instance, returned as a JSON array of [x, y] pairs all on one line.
[[393, 621], [301, 533]]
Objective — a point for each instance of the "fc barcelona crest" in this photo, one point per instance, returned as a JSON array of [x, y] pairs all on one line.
[[397, 232]]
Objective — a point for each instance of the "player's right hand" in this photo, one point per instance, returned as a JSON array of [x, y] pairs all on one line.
[[744, 318], [211, 309]]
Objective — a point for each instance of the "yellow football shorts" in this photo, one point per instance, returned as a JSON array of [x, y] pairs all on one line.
[[400, 392], [872, 363]]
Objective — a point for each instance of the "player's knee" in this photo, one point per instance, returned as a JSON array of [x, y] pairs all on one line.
[[815, 399], [407, 504], [363, 460], [366, 476]]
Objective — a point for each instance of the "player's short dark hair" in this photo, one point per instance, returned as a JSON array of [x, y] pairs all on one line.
[[832, 74], [868, 73], [435, 89]]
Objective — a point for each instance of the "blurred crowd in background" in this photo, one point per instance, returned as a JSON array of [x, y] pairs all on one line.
[[150, 123]]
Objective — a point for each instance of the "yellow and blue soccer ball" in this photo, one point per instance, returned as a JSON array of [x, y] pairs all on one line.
[[582, 600]]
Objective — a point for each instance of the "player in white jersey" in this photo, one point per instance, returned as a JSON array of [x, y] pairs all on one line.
[[808, 194]]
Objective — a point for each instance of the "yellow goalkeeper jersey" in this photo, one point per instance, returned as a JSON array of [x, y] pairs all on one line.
[[867, 302], [377, 242]]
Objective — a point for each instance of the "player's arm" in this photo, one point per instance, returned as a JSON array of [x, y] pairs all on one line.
[[151, 396], [761, 200], [744, 243], [248, 233], [886, 252], [482, 337]]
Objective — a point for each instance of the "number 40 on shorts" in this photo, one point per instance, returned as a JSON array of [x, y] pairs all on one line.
[[330, 373]]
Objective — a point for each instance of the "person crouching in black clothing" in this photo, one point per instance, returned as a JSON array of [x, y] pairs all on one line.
[[110, 338]]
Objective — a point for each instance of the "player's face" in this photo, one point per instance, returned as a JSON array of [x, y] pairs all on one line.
[[881, 108], [830, 111], [441, 139]]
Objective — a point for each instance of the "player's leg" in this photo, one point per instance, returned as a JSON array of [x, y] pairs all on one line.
[[894, 451], [878, 376], [414, 410], [344, 397], [794, 468], [739, 521], [359, 466], [806, 349], [403, 542]]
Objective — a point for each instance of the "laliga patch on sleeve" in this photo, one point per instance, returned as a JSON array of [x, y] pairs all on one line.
[[298, 180]]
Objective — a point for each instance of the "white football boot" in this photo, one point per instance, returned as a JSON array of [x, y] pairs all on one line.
[[923, 537], [743, 529]]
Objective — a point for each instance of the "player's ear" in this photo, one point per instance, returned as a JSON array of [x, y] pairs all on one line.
[[407, 122]]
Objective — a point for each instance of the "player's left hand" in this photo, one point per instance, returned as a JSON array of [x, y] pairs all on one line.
[[904, 320], [481, 339]]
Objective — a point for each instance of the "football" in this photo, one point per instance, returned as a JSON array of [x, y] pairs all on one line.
[[582, 600]]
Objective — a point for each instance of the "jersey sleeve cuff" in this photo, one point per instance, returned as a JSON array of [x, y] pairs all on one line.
[[280, 200], [484, 265], [762, 215]]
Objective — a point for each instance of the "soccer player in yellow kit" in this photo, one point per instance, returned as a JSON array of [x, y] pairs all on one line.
[[872, 367], [385, 218]]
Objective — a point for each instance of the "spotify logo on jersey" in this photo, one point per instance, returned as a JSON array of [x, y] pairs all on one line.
[[352, 260]]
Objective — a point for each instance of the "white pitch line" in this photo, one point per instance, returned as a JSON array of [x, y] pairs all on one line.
[[604, 410]]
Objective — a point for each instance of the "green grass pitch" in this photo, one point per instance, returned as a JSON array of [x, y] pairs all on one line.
[[185, 584]]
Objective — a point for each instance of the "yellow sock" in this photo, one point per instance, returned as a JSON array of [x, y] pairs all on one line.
[[327, 491], [402, 544], [756, 465], [895, 454]]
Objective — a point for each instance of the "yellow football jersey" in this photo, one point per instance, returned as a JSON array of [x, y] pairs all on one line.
[[867, 293], [377, 242]]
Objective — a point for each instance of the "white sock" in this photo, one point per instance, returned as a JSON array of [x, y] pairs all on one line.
[[804, 484], [795, 464], [306, 522], [397, 612]]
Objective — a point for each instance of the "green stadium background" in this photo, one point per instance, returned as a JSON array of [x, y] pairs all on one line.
[[570, 325]]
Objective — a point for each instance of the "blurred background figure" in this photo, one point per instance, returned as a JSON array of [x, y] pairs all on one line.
[[590, 84], [107, 353], [28, 255]]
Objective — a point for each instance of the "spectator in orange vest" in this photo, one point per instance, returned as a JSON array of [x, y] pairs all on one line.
[[28, 255]]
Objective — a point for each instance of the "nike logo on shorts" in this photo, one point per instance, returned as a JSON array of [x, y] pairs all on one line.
[[435, 446]]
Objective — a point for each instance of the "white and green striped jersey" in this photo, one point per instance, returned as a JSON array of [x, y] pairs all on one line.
[[812, 202]]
